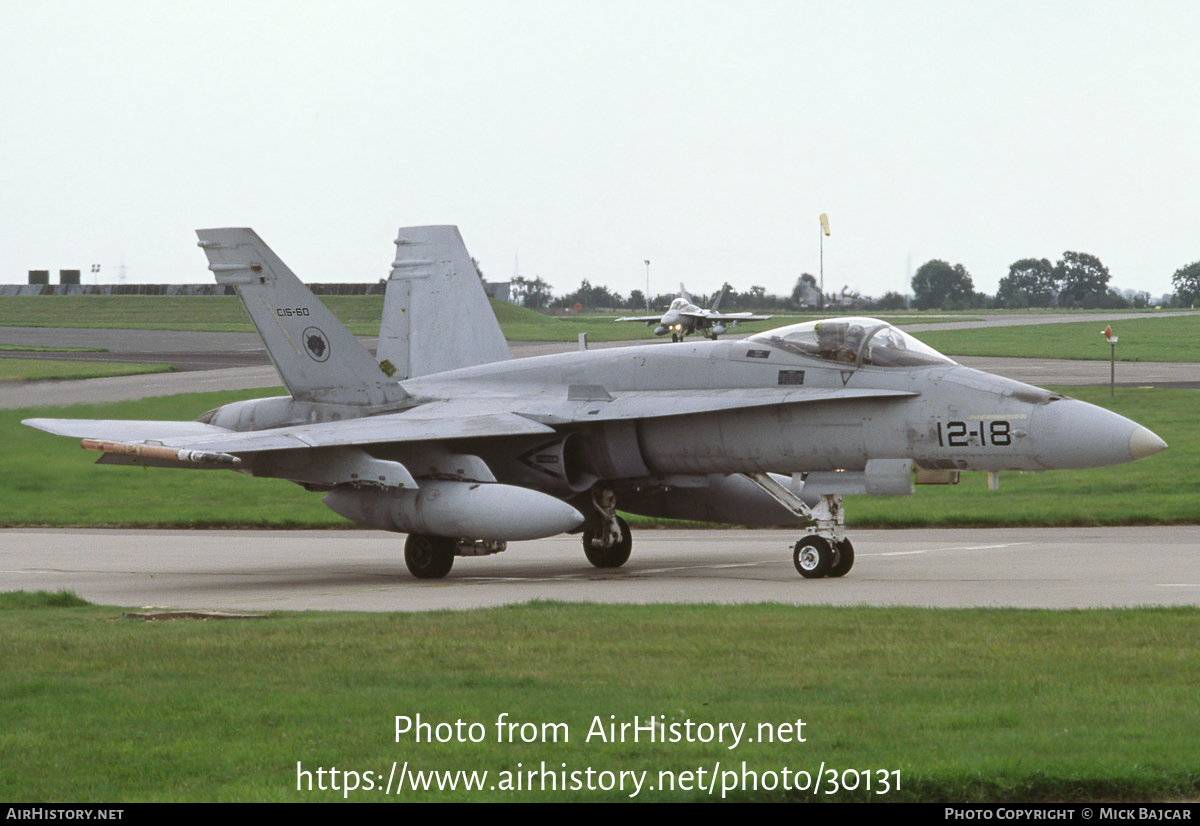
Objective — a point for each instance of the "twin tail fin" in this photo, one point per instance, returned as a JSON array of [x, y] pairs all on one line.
[[316, 356]]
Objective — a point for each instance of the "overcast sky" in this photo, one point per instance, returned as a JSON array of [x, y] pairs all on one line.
[[586, 137]]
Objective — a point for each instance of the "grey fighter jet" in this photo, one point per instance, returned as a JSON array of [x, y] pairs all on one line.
[[464, 449], [684, 317]]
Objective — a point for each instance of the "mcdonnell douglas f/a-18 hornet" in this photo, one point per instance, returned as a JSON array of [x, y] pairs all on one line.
[[684, 317], [448, 439]]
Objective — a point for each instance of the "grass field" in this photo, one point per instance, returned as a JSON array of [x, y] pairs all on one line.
[[15, 369], [1169, 338], [968, 706], [17, 348], [50, 481], [360, 314]]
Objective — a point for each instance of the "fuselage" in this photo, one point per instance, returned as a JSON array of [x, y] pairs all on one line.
[[791, 401], [680, 319], [957, 418]]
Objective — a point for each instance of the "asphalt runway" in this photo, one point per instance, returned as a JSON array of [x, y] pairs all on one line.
[[364, 570]]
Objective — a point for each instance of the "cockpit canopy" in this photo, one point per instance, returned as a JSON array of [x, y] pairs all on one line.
[[856, 342]]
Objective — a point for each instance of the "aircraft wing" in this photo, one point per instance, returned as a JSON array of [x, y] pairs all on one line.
[[739, 317], [648, 319], [708, 315], [591, 403], [443, 420], [430, 422], [119, 430]]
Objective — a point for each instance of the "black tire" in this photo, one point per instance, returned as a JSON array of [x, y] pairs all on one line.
[[843, 558], [613, 557], [429, 557], [813, 557]]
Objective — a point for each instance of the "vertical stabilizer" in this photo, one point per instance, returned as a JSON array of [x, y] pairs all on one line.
[[436, 316], [717, 304], [316, 356]]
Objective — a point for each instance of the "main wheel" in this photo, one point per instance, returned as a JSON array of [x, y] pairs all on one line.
[[843, 558], [813, 557], [429, 557], [612, 557]]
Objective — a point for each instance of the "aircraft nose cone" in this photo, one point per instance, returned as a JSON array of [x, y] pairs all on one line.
[[1074, 435], [1145, 443]]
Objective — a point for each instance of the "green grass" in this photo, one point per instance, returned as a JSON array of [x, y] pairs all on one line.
[[19, 348], [41, 599], [360, 314], [128, 312], [222, 314], [50, 481], [1169, 338], [973, 706], [12, 369]]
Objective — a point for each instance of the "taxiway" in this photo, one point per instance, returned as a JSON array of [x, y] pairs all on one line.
[[360, 570]]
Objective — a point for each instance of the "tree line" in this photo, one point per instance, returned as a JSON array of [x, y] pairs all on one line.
[[1076, 281], [536, 294]]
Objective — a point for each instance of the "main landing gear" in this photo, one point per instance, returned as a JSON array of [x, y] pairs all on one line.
[[432, 557], [609, 545], [429, 557]]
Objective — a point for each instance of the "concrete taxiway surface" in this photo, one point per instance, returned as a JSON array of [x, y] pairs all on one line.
[[364, 570]]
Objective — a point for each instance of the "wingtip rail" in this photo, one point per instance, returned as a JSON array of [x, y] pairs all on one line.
[[170, 454]]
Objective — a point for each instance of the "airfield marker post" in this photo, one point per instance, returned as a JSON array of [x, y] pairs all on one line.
[[1112, 362]]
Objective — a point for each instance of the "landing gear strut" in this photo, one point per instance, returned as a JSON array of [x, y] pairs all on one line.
[[611, 544], [824, 552]]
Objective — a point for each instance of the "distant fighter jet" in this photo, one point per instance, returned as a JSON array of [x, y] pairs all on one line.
[[464, 449], [684, 317]]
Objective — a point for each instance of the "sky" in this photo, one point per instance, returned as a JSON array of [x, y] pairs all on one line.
[[573, 140]]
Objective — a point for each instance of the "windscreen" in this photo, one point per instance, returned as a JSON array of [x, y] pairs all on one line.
[[853, 341]]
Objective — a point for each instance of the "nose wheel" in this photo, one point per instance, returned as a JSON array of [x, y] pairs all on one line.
[[816, 557], [813, 556], [827, 552], [824, 552]]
